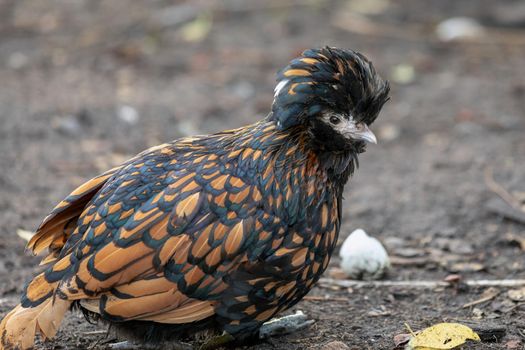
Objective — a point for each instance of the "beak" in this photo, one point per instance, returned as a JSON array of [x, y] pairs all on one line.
[[363, 133]]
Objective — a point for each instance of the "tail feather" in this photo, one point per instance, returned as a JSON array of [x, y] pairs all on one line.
[[19, 327]]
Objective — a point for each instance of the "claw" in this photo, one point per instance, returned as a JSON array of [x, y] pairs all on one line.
[[276, 327]]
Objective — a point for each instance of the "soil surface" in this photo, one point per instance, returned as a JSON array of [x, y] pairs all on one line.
[[86, 84]]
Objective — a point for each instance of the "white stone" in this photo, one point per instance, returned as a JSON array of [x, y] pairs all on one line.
[[459, 28], [128, 114], [363, 257]]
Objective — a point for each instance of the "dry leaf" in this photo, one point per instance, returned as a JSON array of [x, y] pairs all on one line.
[[452, 278], [442, 336], [403, 74], [24, 234], [487, 295], [198, 29], [401, 339], [466, 267]]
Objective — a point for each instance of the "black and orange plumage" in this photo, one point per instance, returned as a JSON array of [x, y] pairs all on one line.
[[227, 229]]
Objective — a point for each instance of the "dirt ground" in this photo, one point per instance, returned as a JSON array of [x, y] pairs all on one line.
[[86, 84]]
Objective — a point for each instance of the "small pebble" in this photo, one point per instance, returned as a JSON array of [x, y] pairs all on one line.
[[389, 132], [459, 28], [67, 125], [17, 60], [128, 114], [517, 295], [477, 313], [186, 128]]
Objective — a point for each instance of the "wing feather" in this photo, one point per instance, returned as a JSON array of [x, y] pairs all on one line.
[[154, 239], [154, 299], [50, 234]]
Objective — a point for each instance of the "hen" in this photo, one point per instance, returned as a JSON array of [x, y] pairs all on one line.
[[220, 231]]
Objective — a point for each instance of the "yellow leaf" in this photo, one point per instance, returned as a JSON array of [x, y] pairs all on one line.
[[197, 29], [442, 336], [24, 234]]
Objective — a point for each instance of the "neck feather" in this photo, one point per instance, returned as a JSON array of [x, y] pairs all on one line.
[[298, 144]]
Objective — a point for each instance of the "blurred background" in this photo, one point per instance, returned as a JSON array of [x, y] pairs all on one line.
[[86, 84]]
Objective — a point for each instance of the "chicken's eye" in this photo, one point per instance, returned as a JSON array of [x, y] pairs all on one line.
[[335, 120]]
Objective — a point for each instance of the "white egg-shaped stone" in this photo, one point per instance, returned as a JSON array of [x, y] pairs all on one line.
[[363, 257]]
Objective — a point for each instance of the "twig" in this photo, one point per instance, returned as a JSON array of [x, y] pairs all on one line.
[[124, 345], [127, 345], [95, 332], [500, 190], [421, 284], [318, 298], [521, 333], [500, 207], [489, 296], [257, 6]]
